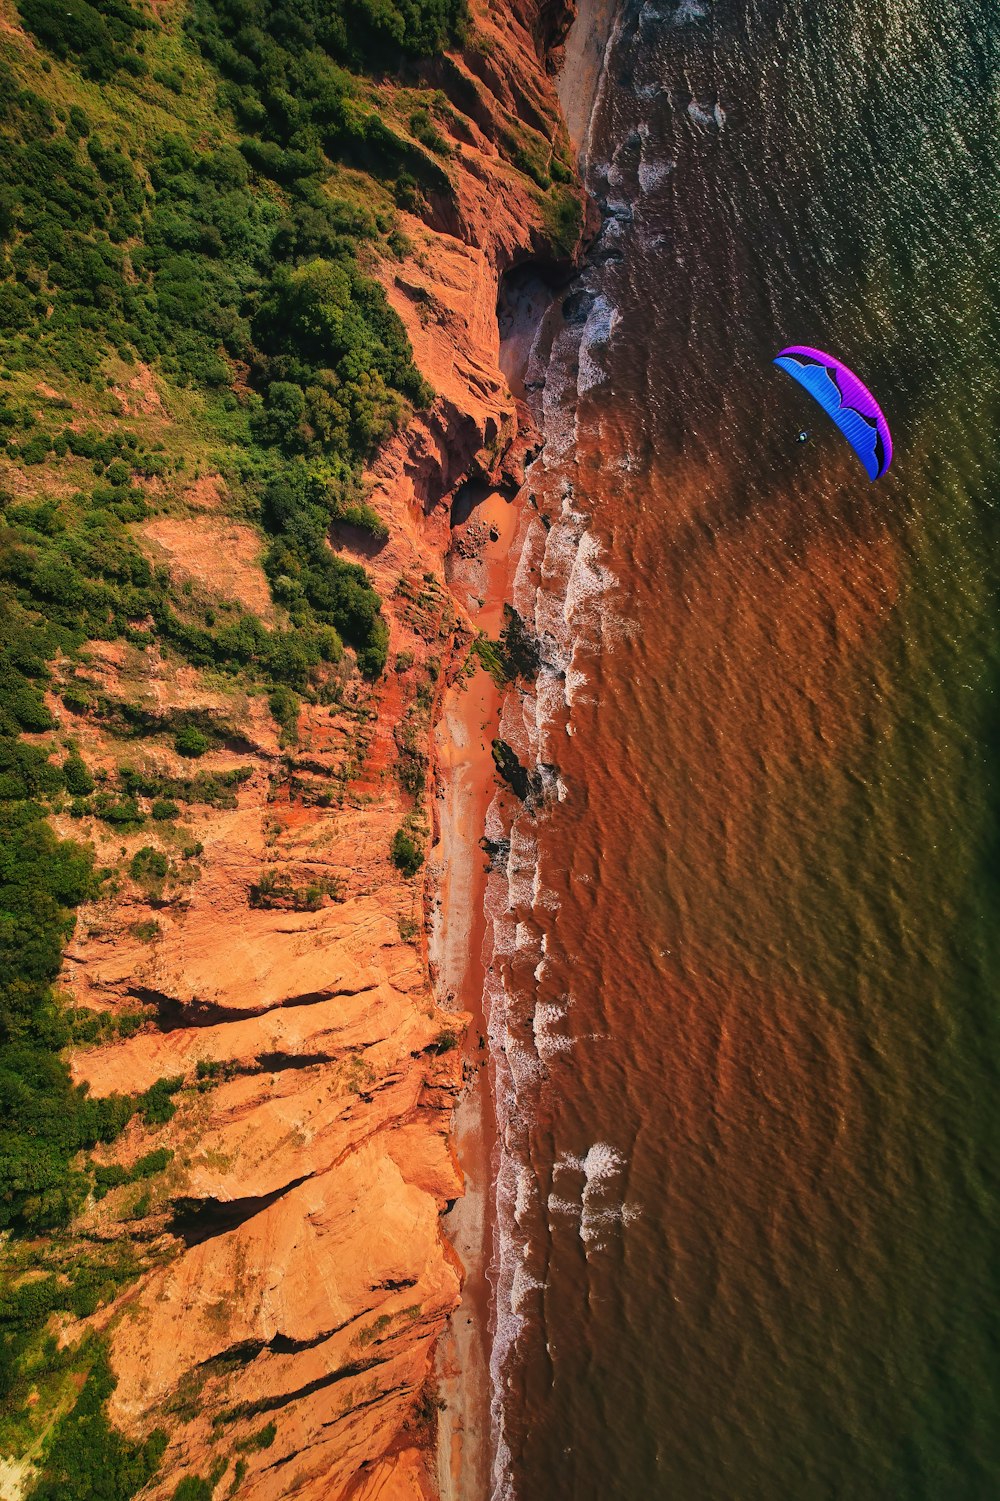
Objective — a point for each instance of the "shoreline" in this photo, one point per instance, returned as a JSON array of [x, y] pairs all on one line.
[[487, 540], [464, 787], [482, 578], [578, 82]]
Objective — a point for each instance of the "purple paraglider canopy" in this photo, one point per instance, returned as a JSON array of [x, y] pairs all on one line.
[[846, 399]]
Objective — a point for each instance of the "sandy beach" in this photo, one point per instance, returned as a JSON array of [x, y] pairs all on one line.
[[465, 784], [583, 66], [482, 564]]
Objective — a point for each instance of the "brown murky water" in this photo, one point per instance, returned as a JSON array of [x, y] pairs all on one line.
[[746, 1016]]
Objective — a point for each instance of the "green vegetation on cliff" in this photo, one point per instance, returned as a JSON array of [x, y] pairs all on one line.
[[86, 1458], [216, 252], [183, 193], [194, 204]]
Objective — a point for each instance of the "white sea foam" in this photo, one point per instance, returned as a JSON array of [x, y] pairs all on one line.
[[601, 322], [521, 1285], [600, 1207], [550, 705], [546, 900], [602, 1162], [525, 1065], [689, 11], [561, 590], [589, 579], [576, 680], [558, 400], [649, 15], [653, 174], [508, 1324], [525, 1192], [547, 1024], [709, 116], [620, 209]]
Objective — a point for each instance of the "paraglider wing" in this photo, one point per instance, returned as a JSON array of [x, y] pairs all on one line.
[[844, 398]]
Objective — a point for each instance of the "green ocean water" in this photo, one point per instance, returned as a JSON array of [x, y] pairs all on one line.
[[764, 1246]]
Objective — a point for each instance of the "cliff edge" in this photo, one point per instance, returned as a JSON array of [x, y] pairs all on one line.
[[254, 964]]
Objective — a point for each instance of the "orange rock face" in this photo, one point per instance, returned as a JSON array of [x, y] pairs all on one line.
[[296, 1272]]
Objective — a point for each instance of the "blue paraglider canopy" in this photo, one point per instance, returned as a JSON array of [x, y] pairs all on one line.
[[844, 398]]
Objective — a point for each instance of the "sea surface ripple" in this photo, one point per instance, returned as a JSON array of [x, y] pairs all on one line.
[[746, 1010]]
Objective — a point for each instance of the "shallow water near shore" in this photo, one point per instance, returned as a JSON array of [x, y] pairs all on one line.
[[745, 1002]]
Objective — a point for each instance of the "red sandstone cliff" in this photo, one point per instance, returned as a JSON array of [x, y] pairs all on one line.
[[295, 1268]]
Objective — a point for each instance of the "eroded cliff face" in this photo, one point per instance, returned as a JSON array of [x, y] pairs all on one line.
[[295, 1273]]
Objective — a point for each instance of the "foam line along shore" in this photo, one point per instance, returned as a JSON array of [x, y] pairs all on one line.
[[489, 538], [556, 589]]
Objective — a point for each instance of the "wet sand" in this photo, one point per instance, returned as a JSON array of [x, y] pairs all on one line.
[[465, 785], [464, 735], [583, 66]]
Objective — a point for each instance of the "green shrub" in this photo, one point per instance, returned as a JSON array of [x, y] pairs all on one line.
[[101, 35], [366, 518], [407, 855], [76, 776], [148, 864], [114, 1175], [76, 699], [262, 1439], [122, 812], [156, 1106], [425, 131], [563, 214], [193, 1488], [215, 789], [170, 78], [306, 575], [411, 773], [490, 659], [36, 450], [183, 254], [284, 706], [275, 890], [400, 244], [44, 1119], [190, 742]]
